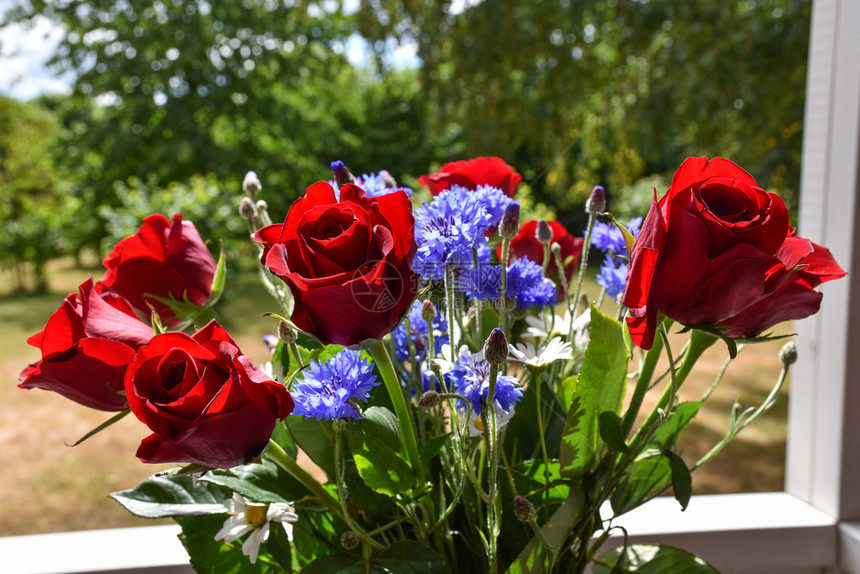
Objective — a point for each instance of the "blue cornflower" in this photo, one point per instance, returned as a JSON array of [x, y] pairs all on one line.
[[420, 339], [470, 377], [375, 185], [481, 282], [613, 276], [607, 237], [494, 201], [327, 389], [528, 286], [447, 230]]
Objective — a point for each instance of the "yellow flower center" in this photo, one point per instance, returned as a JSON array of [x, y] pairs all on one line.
[[256, 515], [479, 424]]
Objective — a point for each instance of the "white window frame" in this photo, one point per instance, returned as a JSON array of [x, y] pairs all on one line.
[[811, 527]]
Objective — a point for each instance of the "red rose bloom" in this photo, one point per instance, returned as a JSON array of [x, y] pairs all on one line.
[[347, 263], [718, 251], [86, 346], [163, 259], [526, 245], [472, 173], [205, 402]]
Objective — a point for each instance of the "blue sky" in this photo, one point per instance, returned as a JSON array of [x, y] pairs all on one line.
[[25, 50]]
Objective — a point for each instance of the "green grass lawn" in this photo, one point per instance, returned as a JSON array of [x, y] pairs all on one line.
[[47, 486]]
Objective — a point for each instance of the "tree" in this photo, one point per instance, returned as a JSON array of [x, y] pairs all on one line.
[[578, 93], [33, 206]]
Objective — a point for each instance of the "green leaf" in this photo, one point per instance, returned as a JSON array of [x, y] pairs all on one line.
[[166, 496], [611, 431], [117, 417], [651, 472], [381, 468], [210, 556], [406, 557], [434, 446], [382, 424], [682, 480], [316, 438], [651, 559], [278, 545], [219, 281], [601, 385], [629, 239], [262, 482]]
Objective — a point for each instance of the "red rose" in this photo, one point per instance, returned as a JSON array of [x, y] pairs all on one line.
[[526, 245], [718, 251], [163, 259], [205, 402], [86, 346], [472, 173], [347, 263]]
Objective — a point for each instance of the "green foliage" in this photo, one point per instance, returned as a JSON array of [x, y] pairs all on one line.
[[579, 93], [34, 210], [651, 559]]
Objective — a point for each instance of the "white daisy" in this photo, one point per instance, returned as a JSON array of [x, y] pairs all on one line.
[[552, 351], [253, 517]]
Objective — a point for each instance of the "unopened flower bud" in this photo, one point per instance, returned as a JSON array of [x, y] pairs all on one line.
[[429, 399], [247, 209], [286, 333], [788, 354], [543, 231], [262, 206], [388, 179], [342, 175], [510, 223], [349, 540], [251, 184], [596, 201], [428, 311], [556, 249], [523, 509], [496, 347]]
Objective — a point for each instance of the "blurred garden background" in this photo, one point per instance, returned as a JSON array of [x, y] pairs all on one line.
[[162, 106]]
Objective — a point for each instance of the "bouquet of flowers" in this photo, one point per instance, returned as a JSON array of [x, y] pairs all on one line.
[[467, 407]]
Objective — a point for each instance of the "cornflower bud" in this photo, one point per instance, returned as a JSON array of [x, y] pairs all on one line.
[[543, 231], [523, 509], [349, 540], [247, 209], [496, 347], [342, 175], [510, 223], [428, 311], [429, 399], [788, 353], [251, 184], [596, 201], [286, 333], [388, 179], [262, 205]]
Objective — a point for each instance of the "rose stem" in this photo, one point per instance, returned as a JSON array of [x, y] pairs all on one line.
[[699, 343], [404, 419]]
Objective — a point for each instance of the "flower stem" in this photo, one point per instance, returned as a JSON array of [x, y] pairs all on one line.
[[493, 503], [404, 419], [583, 263], [279, 456], [642, 385], [503, 315]]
